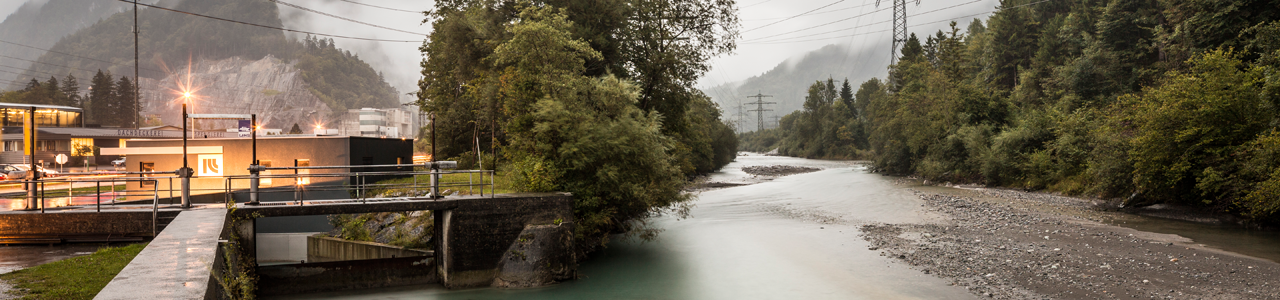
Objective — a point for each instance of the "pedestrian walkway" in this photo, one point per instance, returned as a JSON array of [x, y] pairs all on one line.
[[177, 264]]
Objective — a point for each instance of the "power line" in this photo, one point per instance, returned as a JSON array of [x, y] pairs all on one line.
[[865, 25], [793, 17], [273, 27], [56, 65], [21, 69], [69, 54], [758, 3], [816, 26], [343, 18], [783, 41], [386, 8], [813, 14]]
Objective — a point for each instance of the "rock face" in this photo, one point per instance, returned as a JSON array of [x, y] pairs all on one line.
[[269, 87]]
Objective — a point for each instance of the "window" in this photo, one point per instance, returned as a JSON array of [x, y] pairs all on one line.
[[12, 145], [146, 166], [81, 147]]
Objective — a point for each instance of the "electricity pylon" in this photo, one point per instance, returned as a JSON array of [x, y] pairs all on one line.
[[899, 27], [760, 109]]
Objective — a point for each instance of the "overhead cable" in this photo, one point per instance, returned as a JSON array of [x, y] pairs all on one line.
[[793, 17], [387, 8], [273, 27], [69, 54], [343, 18]]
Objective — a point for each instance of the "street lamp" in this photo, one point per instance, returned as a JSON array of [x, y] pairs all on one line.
[[185, 172]]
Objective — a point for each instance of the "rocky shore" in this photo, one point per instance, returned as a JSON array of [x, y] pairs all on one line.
[[778, 170], [1015, 245]]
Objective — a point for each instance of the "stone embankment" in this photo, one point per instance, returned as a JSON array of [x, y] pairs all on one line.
[[1016, 245]]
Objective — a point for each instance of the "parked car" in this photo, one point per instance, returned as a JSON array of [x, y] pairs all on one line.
[[20, 171], [119, 162], [13, 172]]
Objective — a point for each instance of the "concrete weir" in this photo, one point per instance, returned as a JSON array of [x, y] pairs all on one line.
[[511, 240]]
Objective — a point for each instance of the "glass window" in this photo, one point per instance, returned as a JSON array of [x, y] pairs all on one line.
[[146, 166], [303, 163]]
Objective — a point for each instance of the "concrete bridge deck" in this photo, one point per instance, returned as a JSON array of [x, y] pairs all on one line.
[[177, 264]]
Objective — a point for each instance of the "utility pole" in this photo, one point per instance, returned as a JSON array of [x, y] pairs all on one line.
[[137, 85], [760, 109], [899, 27]]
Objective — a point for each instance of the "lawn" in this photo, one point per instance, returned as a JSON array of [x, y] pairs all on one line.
[[72, 278]]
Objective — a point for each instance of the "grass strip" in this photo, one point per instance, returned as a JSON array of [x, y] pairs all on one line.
[[73, 278]]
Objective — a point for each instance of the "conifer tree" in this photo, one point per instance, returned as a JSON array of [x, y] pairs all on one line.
[[101, 96]]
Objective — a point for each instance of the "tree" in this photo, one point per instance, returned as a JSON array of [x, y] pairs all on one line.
[[295, 129], [102, 97], [124, 109], [71, 88], [584, 134]]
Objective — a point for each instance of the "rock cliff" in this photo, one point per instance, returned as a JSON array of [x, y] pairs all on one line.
[[272, 88]]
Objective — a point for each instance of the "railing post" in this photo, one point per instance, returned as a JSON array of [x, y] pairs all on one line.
[[254, 179], [155, 205], [98, 194]]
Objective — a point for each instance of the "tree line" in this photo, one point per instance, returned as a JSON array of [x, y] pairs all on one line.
[[1142, 101], [108, 102], [596, 98]]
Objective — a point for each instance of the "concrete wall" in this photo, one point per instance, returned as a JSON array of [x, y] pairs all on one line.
[[480, 241], [80, 225], [345, 275], [326, 249]]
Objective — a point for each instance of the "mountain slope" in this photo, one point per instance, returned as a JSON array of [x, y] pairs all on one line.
[[40, 24]]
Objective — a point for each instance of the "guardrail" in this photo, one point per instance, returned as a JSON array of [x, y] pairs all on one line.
[[43, 191]]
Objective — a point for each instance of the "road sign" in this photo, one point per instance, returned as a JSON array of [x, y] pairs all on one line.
[[60, 159]]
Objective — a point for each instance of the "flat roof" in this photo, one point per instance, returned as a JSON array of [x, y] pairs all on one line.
[[25, 106]]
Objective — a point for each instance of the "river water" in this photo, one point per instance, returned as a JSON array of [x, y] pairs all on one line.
[[794, 237]]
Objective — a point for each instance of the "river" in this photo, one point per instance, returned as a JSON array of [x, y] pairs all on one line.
[[795, 237]]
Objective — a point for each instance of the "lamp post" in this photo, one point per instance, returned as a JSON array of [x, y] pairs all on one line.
[[185, 172]]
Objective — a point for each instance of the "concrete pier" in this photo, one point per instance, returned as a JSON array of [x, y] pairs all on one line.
[[178, 264]]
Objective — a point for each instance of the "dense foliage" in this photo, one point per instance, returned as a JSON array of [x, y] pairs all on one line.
[[171, 40], [1141, 100], [588, 97]]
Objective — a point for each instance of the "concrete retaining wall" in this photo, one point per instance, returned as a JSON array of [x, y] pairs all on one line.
[[345, 275], [479, 237], [326, 249], [70, 226]]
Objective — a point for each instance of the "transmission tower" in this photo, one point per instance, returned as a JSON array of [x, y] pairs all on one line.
[[899, 27], [776, 124], [760, 108]]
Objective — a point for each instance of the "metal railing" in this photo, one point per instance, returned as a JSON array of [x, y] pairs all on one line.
[[132, 187], [64, 191], [361, 185]]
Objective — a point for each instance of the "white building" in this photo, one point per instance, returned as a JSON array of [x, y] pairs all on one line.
[[375, 122]]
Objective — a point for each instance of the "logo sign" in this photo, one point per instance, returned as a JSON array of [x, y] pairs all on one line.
[[245, 129], [209, 165]]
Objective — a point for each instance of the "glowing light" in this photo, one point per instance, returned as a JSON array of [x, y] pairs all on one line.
[[186, 95]]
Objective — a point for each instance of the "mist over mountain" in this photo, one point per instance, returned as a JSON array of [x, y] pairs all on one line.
[[170, 42], [41, 23], [789, 81]]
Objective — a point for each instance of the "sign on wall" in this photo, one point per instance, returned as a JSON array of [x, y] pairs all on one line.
[[244, 131], [209, 165]]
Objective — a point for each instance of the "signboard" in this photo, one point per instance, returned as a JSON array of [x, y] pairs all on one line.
[[60, 159], [28, 135], [245, 129], [209, 165]]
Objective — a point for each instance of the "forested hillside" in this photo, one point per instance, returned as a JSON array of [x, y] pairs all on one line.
[[1141, 100], [33, 25], [170, 41]]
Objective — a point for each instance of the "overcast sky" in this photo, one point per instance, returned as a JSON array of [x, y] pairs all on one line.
[[768, 37]]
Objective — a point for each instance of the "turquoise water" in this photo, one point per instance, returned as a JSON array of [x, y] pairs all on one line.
[[790, 238]]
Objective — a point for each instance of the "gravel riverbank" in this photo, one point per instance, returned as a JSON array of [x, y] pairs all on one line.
[[1015, 245]]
